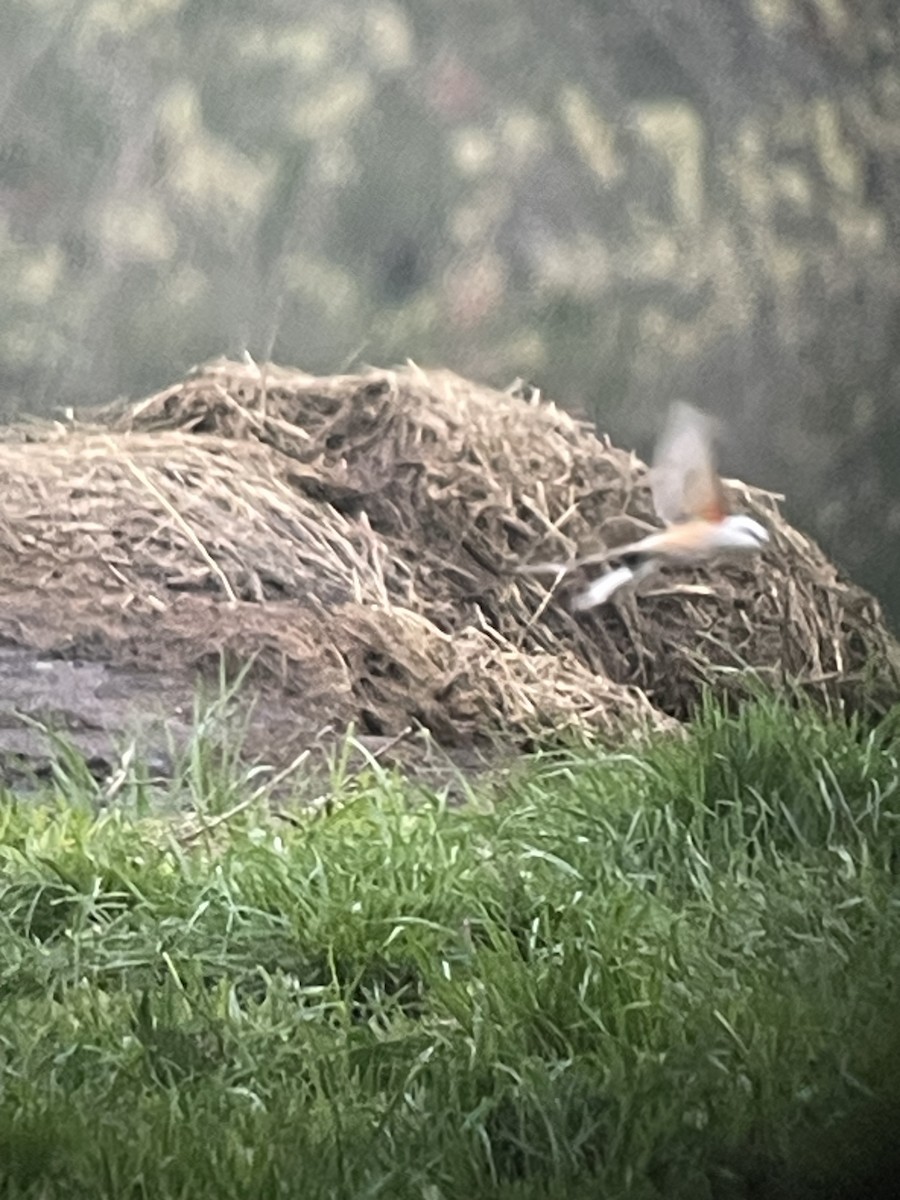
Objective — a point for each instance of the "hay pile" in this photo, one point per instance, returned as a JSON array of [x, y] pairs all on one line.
[[359, 535]]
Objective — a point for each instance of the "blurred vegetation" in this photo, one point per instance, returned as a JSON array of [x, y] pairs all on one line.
[[670, 974], [620, 200]]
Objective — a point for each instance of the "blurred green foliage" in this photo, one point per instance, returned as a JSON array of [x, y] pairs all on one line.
[[622, 201]]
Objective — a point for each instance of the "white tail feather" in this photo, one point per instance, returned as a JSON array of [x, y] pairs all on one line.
[[601, 589]]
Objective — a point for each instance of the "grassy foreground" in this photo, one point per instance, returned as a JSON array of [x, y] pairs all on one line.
[[673, 974]]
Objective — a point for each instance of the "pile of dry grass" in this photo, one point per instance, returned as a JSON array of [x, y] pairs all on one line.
[[359, 534]]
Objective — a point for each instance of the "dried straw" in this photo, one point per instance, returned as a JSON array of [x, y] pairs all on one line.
[[360, 534]]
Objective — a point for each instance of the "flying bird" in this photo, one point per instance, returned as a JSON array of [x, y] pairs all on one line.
[[689, 497]]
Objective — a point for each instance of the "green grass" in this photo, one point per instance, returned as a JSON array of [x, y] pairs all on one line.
[[665, 974]]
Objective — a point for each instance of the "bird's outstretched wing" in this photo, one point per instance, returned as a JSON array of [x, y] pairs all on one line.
[[687, 492], [683, 478]]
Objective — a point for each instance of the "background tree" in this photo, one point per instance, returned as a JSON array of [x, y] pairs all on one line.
[[623, 201]]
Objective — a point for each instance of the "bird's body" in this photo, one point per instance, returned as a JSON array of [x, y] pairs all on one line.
[[691, 542], [688, 495]]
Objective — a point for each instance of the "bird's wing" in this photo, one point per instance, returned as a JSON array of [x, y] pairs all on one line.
[[683, 479], [602, 589]]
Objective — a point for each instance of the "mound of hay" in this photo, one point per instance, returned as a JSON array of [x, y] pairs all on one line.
[[359, 536]]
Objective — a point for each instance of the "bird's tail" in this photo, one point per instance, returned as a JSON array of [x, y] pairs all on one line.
[[602, 589]]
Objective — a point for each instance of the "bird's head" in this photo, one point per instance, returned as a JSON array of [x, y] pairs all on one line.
[[740, 532]]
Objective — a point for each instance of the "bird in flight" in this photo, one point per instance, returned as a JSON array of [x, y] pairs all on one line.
[[689, 497]]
